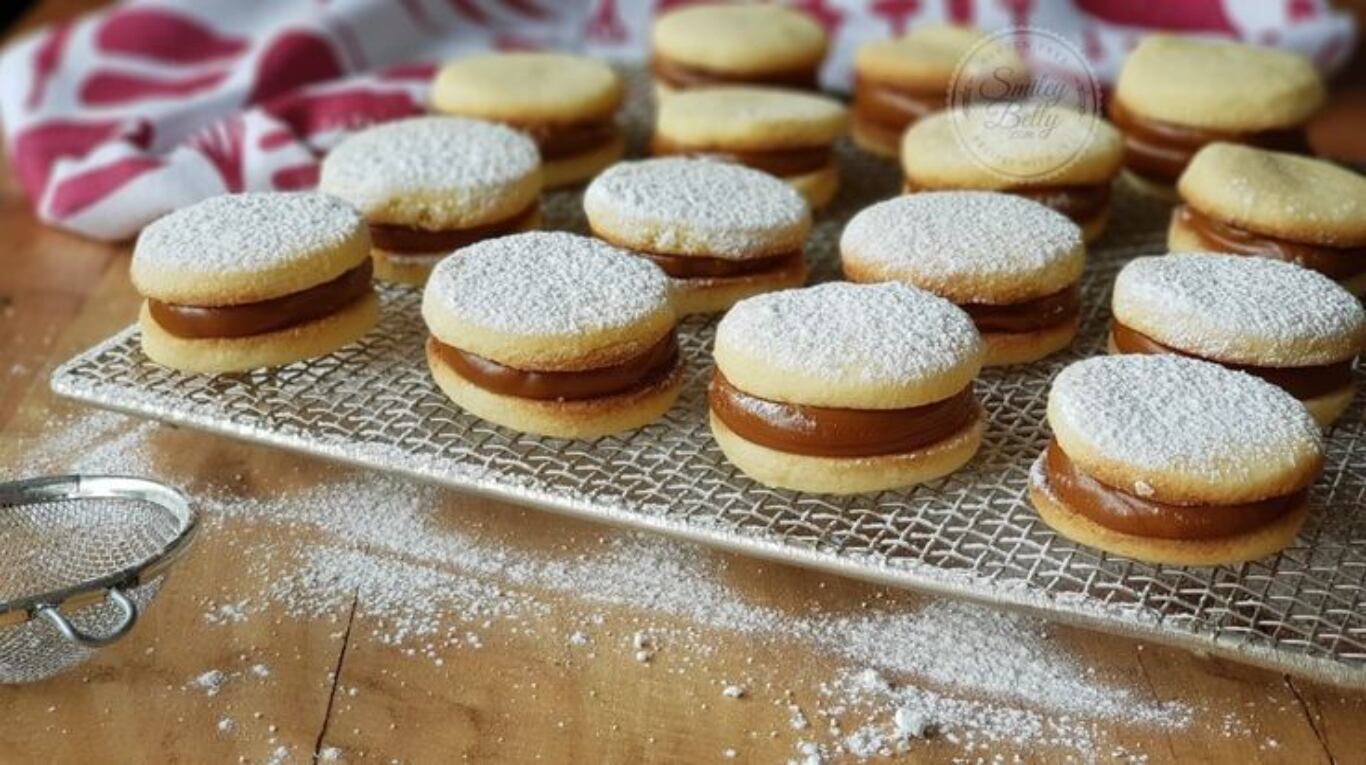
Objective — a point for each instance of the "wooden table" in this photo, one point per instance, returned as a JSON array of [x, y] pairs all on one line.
[[333, 687]]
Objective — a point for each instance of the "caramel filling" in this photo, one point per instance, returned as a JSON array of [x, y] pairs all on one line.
[[1080, 203], [1339, 263], [821, 431], [1300, 382], [784, 163], [636, 373], [1160, 151], [1029, 315], [696, 267], [409, 240], [197, 322], [561, 141], [891, 107], [1131, 514], [683, 76]]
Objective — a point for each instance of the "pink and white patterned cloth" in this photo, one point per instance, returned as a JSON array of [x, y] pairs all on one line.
[[118, 117]]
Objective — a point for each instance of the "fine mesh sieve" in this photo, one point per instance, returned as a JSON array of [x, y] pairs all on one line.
[[84, 555]]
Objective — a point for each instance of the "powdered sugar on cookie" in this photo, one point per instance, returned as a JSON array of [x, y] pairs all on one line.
[[1240, 309], [702, 207], [968, 246]]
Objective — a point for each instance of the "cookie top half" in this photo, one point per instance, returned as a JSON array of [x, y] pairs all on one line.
[[1218, 85], [743, 38], [860, 346], [750, 118], [1277, 194], [1183, 431], [679, 206], [1240, 310], [548, 301], [244, 248], [435, 173], [525, 88], [968, 246], [926, 58]]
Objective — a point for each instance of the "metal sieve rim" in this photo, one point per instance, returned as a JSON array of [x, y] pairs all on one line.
[[34, 491]]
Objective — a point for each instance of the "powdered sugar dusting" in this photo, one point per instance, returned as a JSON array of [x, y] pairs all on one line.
[[244, 234], [972, 246], [878, 334], [1240, 309], [696, 207], [546, 284], [1159, 414]]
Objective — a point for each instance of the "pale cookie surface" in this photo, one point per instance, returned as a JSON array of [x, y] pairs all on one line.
[[525, 88], [750, 118], [1240, 310], [678, 206], [926, 58], [244, 248], [1183, 431], [970, 149], [967, 246], [435, 173], [1277, 194], [548, 300], [1218, 85], [884, 346], [745, 39]]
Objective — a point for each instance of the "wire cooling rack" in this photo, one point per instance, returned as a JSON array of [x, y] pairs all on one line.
[[971, 534]]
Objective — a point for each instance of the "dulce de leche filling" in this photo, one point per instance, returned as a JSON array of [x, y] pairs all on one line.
[[1130, 514], [699, 267], [247, 319], [410, 240], [556, 141], [1301, 382], [821, 431], [784, 163], [1081, 203], [1160, 150], [636, 373], [891, 107], [683, 76], [1339, 263], [1027, 316]]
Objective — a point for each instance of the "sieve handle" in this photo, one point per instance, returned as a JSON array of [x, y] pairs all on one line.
[[75, 635]]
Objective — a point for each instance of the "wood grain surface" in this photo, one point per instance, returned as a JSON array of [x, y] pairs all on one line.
[[296, 687]]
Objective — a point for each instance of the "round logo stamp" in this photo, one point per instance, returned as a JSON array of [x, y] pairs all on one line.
[[1024, 103]]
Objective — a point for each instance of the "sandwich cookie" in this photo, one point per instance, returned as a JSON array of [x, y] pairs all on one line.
[[722, 231], [553, 334], [1013, 265], [430, 185], [1252, 202], [898, 82], [255, 280], [566, 104], [1175, 461], [845, 388], [1070, 168], [724, 44], [782, 132], [1287, 325], [1177, 94]]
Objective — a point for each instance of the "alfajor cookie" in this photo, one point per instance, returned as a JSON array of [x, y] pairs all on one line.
[[900, 81], [722, 231], [781, 132], [1287, 325], [1250, 201], [1174, 460], [1069, 167], [430, 185], [728, 44], [1177, 94], [553, 334], [845, 388], [567, 104], [247, 281], [1013, 265]]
